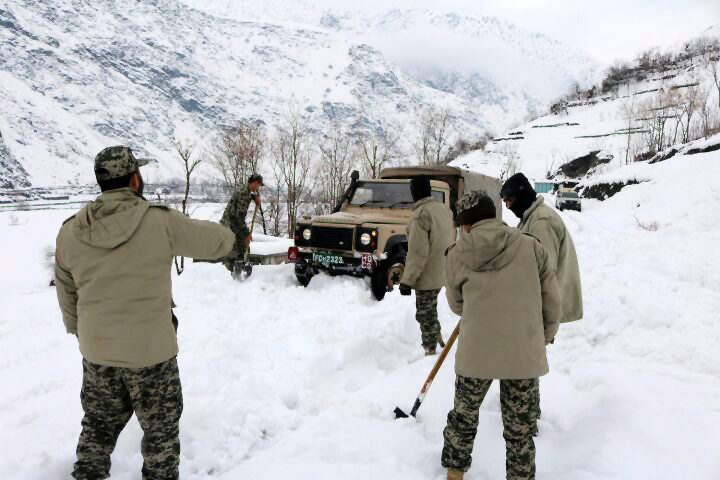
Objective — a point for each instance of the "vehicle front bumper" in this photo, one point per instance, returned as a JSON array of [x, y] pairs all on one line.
[[351, 265]]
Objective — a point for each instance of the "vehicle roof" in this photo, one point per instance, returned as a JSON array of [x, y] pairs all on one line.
[[434, 183], [471, 180]]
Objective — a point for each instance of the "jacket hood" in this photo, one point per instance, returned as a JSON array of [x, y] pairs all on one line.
[[111, 219], [490, 245]]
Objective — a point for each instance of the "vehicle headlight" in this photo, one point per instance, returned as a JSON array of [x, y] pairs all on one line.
[[307, 234], [365, 239]]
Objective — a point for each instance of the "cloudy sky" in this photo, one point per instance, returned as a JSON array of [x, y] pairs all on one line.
[[606, 29]]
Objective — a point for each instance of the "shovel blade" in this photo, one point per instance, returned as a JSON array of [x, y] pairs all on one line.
[[400, 414]]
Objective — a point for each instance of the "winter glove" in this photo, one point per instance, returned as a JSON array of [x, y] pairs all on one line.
[[405, 290]]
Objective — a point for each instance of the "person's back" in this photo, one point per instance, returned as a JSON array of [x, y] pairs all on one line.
[[430, 231], [118, 251], [500, 283], [500, 275], [113, 278], [545, 224]]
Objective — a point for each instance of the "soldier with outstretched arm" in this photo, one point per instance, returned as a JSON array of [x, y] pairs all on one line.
[[113, 275]]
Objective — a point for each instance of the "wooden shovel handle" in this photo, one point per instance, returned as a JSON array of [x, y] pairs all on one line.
[[440, 360]]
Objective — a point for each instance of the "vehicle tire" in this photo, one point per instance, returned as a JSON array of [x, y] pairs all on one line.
[[381, 281], [303, 273]]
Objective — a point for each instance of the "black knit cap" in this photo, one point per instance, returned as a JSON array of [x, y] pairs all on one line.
[[517, 186], [420, 187]]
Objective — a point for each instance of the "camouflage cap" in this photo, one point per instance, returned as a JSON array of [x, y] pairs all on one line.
[[256, 177], [473, 207], [115, 162]]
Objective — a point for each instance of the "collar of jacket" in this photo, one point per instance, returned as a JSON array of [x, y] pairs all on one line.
[[483, 223], [120, 194], [538, 201], [422, 201]]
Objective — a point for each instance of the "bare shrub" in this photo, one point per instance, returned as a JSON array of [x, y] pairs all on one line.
[[293, 150], [380, 146], [511, 163], [13, 221], [648, 226], [337, 161], [237, 153], [435, 142]]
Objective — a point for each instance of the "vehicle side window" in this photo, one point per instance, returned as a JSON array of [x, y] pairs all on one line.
[[439, 196]]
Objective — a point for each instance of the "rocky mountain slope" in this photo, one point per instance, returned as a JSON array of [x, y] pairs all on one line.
[[77, 76]]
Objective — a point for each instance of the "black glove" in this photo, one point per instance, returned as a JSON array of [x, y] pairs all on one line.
[[405, 290]]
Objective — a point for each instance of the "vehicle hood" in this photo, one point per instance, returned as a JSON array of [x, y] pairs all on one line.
[[347, 218]]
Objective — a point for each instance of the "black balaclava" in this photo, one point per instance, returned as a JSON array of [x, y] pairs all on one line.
[[518, 186], [420, 187]]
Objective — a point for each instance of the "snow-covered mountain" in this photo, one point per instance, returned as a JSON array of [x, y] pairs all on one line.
[[78, 76], [506, 72], [617, 126]]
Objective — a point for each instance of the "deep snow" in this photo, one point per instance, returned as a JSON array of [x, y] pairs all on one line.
[[286, 382]]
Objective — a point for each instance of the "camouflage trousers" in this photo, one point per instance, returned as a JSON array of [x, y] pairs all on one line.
[[237, 253], [518, 423], [109, 397], [536, 400], [426, 315]]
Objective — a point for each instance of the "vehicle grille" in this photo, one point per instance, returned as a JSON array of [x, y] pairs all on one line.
[[332, 238]]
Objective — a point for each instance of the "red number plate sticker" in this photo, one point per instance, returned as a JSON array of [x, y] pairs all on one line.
[[366, 261]]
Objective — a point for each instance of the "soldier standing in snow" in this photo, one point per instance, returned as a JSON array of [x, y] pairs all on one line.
[[430, 232], [502, 285], [234, 218], [545, 224], [112, 269]]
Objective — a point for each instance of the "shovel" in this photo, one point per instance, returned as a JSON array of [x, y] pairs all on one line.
[[426, 386], [243, 268]]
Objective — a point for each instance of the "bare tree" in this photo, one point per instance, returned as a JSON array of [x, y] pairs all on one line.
[[380, 146], [338, 159], [185, 149], [237, 153], [629, 112], [689, 101], [510, 161], [292, 161], [713, 67], [435, 145]]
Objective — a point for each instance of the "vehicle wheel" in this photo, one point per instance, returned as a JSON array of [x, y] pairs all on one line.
[[386, 275], [303, 273]]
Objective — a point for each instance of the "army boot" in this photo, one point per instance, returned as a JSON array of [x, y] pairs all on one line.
[[455, 474], [429, 351]]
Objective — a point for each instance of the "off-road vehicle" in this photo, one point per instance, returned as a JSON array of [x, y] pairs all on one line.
[[568, 199], [366, 235]]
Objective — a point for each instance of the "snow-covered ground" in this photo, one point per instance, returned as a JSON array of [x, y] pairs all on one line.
[[286, 382]]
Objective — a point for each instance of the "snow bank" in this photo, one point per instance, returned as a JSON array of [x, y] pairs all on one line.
[[284, 382]]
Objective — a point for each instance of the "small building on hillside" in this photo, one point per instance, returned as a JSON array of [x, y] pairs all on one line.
[[544, 186]]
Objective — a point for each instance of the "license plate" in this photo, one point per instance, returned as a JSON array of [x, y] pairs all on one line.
[[328, 259]]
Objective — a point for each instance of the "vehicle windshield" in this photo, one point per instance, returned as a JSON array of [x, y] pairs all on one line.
[[569, 195], [386, 195]]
